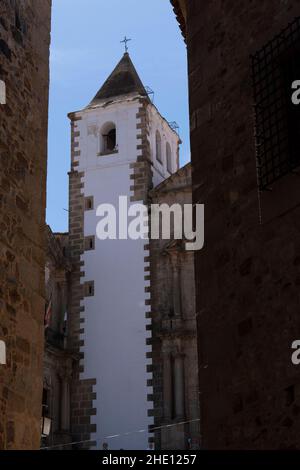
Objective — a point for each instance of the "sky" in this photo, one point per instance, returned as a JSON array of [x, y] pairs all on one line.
[[85, 48]]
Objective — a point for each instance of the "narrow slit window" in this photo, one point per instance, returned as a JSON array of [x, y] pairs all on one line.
[[89, 243], [89, 203], [89, 289], [169, 157], [158, 147]]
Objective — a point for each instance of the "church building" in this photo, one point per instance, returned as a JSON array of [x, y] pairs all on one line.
[[137, 371]]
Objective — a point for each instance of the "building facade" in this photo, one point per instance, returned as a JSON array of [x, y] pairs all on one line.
[[59, 362], [175, 360], [243, 59], [24, 68]]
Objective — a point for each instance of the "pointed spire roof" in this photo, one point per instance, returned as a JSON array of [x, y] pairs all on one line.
[[124, 80]]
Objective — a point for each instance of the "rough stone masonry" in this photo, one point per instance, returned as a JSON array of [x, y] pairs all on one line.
[[24, 67], [248, 274]]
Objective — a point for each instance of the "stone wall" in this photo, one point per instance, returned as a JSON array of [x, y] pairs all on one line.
[[24, 66], [82, 391], [248, 274]]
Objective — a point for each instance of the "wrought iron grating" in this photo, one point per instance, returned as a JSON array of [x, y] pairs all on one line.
[[277, 120]]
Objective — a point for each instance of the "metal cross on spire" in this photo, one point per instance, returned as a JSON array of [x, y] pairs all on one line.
[[125, 41]]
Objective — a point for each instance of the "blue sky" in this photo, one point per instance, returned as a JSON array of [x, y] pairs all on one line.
[[85, 47]]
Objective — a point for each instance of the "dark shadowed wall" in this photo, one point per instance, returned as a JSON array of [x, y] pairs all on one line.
[[24, 66]]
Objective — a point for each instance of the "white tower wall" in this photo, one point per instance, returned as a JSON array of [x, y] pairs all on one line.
[[116, 358]]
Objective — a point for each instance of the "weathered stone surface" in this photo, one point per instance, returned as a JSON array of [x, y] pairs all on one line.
[[82, 391], [247, 276], [24, 66]]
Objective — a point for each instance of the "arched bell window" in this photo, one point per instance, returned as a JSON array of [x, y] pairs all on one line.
[[169, 157], [158, 147], [109, 139]]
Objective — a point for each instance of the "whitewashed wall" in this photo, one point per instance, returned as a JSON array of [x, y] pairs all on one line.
[[157, 122], [115, 324], [115, 317]]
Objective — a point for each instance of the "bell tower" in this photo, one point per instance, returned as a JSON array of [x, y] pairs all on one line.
[[120, 146]]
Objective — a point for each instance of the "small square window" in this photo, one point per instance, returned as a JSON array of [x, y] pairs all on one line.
[[89, 203], [89, 289], [89, 243]]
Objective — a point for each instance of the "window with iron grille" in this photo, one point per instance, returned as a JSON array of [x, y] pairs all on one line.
[[277, 120]]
